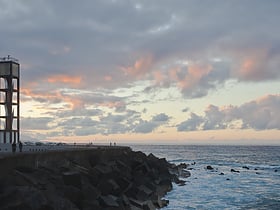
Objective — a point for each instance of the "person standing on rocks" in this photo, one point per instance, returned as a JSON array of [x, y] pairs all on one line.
[[20, 146]]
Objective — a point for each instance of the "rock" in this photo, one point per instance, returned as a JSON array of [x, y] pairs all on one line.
[[235, 171], [108, 201], [160, 203], [90, 192], [109, 187], [72, 178], [181, 182], [183, 165], [137, 203], [221, 173], [149, 205], [185, 174], [209, 167], [144, 192], [73, 194], [246, 167]]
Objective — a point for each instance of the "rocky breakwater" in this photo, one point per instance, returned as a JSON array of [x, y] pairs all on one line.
[[101, 178]]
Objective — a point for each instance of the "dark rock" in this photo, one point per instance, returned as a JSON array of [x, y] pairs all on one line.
[[109, 186], [137, 203], [144, 192], [90, 192], [72, 178], [164, 187], [73, 194], [221, 173], [108, 201], [183, 165], [246, 167], [209, 167], [181, 182], [275, 170], [160, 203], [228, 179], [148, 205], [235, 171], [185, 174]]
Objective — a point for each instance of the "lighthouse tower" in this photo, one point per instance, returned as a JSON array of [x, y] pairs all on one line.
[[9, 100]]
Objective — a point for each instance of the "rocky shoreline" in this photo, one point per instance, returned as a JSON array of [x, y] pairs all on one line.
[[103, 178]]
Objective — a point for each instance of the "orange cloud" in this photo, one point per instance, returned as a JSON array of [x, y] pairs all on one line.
[[75, 80], [54, 97], [159, 77], [140, 67]]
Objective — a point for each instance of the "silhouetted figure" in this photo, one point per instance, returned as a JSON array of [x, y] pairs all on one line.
[[14, 147], [20, 146]]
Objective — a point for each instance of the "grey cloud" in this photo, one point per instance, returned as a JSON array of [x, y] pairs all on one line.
[[77, 112], [97, 31], [144, 126], [160, 118], [36, 123], [193, 123]]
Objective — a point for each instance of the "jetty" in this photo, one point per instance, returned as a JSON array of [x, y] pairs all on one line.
[[88, 178]]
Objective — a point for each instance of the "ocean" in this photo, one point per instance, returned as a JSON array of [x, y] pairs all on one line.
[[243, 177]]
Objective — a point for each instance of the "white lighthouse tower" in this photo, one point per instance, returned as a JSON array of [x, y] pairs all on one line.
[[9, 100]]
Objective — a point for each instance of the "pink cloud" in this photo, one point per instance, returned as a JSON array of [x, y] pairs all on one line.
[[191, 76], [140, 67]]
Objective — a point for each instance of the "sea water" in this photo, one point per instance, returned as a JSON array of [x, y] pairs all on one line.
[[255, 184]]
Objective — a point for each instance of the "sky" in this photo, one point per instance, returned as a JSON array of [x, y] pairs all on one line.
[[150, 71]]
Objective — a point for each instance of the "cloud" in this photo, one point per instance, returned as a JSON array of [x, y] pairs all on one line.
[[36, 123], [140, 67], [64, 79], [260, 114], [74, 98], [193, 123], [194, 79], [144, 126], [255, 64], [160, 118]]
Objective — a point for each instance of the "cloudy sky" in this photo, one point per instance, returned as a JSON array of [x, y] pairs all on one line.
[[150, 71]]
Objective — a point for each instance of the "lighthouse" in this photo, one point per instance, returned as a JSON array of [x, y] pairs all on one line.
[[9, 100]]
